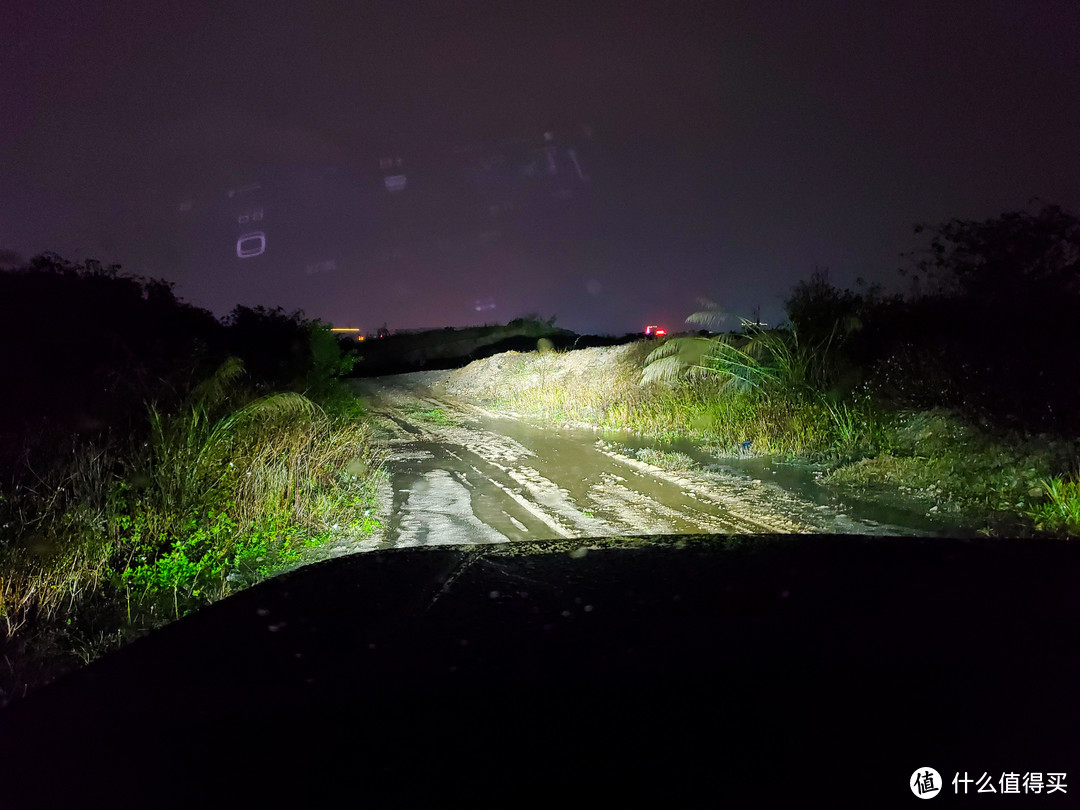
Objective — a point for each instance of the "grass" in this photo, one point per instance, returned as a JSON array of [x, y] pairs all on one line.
[[671, 460], [436, 416], [608, 388], [1060, 512], [541, 383], [161, 484], [995, 477], [1008, 482], [226, 490]]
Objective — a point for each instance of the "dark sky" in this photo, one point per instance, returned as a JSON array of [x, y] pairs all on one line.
[[718, 150]]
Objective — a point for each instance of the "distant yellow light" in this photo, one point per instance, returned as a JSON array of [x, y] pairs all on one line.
[[359, 337], [344, 329]]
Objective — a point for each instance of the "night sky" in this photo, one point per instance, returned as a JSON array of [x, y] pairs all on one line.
[[607, 163]]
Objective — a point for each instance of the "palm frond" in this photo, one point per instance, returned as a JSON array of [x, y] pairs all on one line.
[[676, 357], [711, 317], [216, 388], [739, 367]]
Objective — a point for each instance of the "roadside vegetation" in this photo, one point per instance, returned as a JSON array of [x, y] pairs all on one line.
[[156, 460], [961, 393]]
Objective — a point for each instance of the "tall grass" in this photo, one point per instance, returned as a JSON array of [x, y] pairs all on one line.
[[771, 388], [223, 490], [767, 393], [1060, 512], [656, 391], [262, 482], [55, 539]]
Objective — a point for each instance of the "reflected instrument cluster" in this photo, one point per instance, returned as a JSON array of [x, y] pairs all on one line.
[[408, 208]]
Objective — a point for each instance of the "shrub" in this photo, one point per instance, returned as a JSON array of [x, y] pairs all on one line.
[[85, 347], [226, 490]]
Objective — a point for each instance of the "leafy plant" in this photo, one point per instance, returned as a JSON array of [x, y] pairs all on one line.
[[434, 415], [1061, 512], [226, 490]]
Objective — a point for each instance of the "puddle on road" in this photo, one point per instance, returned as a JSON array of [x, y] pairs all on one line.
[[820, 507], [801, 481], [472, 476]]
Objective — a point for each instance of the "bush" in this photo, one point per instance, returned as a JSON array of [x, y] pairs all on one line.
[[85, 347], [228, 489], [993, 327], [285, 351], [162, 484]]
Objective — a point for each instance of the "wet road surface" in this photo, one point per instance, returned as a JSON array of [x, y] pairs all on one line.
[[458, 473]]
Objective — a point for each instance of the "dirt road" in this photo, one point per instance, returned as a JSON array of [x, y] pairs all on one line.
[[460, 474]]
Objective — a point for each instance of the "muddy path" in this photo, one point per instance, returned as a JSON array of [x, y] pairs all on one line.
[[460, 474]]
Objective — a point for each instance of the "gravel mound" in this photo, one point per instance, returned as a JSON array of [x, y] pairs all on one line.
[[506, 376]]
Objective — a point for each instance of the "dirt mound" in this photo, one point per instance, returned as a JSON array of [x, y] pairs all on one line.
[[429, 349], [514, 377]]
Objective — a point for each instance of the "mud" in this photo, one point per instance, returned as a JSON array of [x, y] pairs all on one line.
[[459, 474]]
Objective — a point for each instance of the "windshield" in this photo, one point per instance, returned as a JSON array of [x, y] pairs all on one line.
[[289, 282]]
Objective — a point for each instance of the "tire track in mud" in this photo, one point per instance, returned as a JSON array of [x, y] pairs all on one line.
[[457, 474]]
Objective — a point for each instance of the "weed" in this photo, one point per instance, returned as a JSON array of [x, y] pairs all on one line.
[[666, 459], [226, 490], [436, 416], [1061, 513]]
